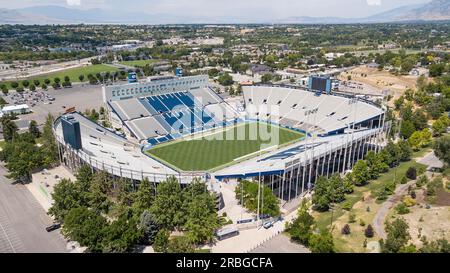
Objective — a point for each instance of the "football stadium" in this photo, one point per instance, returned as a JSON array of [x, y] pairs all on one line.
[[178, 126]]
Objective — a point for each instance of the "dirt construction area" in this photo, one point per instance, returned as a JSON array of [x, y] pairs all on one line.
[[381, 80]]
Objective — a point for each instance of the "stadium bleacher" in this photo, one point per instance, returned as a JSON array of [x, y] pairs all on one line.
[[294, 106], [164, 117]]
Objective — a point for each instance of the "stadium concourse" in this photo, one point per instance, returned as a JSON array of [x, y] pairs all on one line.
[[320, 133]]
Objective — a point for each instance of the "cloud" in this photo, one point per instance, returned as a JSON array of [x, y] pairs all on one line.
[[74, 2], [373, 2]]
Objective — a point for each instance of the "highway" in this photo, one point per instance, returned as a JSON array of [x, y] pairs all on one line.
[[23, 222]]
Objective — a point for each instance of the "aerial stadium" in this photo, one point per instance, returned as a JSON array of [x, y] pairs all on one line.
[[178, 126]]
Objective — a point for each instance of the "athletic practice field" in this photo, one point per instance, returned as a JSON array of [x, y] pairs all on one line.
[[222, 148]]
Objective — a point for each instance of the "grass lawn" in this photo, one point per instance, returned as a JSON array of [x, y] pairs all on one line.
[[73, 74], [354, 241], [218, 149], [139, 63]]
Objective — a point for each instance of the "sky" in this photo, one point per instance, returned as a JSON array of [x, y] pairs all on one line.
[[232, 8]]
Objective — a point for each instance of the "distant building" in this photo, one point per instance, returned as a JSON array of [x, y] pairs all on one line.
[[373, 65], [16, 109], [419, 71], [260, 69]]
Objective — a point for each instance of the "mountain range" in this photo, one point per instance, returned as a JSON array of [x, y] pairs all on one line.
[[432, 11]]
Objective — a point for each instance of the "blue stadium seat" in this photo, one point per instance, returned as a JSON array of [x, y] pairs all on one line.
[[186, 99], [170, 101], [157, 105], [152, 141]]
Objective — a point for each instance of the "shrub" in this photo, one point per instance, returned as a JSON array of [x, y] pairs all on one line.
[[402, 209], [434, 186], [411, 173], [362, 223], [404, 180], [346, 206], [409, 201], [423, 180], [368, 232], [346, 230], [351, 217], [382, 195]]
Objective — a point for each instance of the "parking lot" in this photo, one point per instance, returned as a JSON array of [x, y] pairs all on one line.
[[80, 96]]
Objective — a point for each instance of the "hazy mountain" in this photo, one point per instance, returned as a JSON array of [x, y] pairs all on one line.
[[8, 16], [434, 10]]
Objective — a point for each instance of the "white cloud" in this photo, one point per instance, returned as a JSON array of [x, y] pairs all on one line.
[[73, 2], [373, 2]]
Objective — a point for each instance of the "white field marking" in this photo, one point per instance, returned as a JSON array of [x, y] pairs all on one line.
[[274, 147], [7, 238]]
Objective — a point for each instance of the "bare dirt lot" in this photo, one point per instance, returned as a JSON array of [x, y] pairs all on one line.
[[382, 80], [432, 222]]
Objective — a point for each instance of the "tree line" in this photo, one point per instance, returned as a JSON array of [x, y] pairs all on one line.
[[21, 152], [113, 215]]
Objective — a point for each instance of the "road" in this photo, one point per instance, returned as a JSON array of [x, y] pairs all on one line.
[[18, 74], [23, 222], [378, 221]]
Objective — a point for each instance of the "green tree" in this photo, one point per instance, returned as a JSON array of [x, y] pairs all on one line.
[[161, 242], [405, 150], [49, 147], [86, 227], [441, 149], [149, 227], [225, 79], [168, 204], [248, 191], [266, 78], [375, 164], [397, 236], [66, 196], [320, 198], [202, 219], [144, 196], [302, 227], [121, 235], [361, 173], [180, 244], [23, 157], [407, 129], [100, 188], [33, 129], [440, 125], [322, 242], [10, 128]]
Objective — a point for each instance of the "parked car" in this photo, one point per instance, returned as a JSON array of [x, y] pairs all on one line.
[[268, 224], [53, 227]]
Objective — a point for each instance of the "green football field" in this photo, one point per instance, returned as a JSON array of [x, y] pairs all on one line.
[[222, 148]]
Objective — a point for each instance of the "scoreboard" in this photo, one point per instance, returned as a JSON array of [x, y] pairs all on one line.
[[321, 84]]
